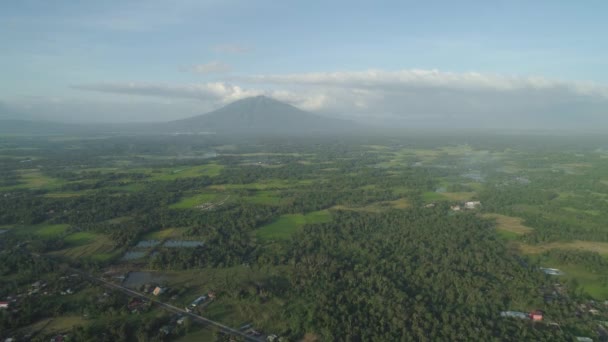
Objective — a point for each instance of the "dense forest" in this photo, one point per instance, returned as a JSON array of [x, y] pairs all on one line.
[[358, 238]]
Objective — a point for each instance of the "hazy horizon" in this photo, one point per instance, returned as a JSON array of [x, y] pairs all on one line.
[[468, 65]]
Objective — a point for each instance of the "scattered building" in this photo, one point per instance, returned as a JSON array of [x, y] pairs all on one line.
[[536, 315], [514, 314], [4, 305], [551, 271], [196, 302], [158, 291], [455, 208], [584, 339], [472, 205]]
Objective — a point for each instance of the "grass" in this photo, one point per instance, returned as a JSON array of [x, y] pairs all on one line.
[[229, 308], [271, 184], [458, 196], [590, 282], [34, 179], [42, 230], [52, 230], [264, 197], [508, 225], [57, 324], [163, 234], [286, 225], [210, 170], [431, 196], [81, 238], [193, 201], [401, 203], [89, 245], [202, 334], [64, 194], [591, 246], [581, 211]]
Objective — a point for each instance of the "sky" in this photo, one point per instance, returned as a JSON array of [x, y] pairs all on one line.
[[495, 63]]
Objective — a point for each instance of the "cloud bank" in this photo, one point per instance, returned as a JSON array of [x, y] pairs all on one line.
[[405, 97]]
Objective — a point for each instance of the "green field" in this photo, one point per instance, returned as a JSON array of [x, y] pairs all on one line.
[[192, 201], [34, 179], [431, 196], [42, 230], [81, 238], [52, 230], [286, 225], [264, 197], [210, 170]]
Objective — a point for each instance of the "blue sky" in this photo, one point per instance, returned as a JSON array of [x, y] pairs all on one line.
[[127, 57]]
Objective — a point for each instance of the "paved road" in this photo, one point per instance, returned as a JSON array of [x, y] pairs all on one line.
[[169, 307], [166, 306]]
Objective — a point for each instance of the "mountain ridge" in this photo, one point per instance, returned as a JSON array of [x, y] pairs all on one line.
[[260, 114]]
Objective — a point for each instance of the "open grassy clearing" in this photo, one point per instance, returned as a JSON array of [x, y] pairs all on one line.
[[266, 185], [591, 246], [509, 224], [43, 230], [198, 335], [165, 174], [286, 225], [56, 324], [402, 203], [164, 234], [431, 196], [264, 197], [89, 245], [368, 208], [34, 179], [592, 283], [458, 196], [193, 201], [52, 230], [64, 194], [228, 283], [581, 211]]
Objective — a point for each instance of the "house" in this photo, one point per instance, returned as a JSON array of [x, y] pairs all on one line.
[[536, 315], [3, 305], [551, 271], [514, 314], [158, 291], [472, 205]]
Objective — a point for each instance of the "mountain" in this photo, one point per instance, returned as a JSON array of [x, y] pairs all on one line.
[[257, 115]]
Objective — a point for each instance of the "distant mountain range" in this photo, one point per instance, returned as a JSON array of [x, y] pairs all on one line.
[[254, 115], [259, 114]]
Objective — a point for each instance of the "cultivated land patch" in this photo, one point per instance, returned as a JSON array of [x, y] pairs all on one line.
[[164, 234], [264, 197], [210, 170], [89, 245], [286, 225], [431, 196], [193, 201], [509, 224], [591, 246], [52, 230], [458, 196]]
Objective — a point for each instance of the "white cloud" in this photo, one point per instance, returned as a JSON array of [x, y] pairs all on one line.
[[428, 79], [407, 97], [214, 67]]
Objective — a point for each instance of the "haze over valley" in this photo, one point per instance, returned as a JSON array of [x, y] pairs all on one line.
[[316, 171]]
